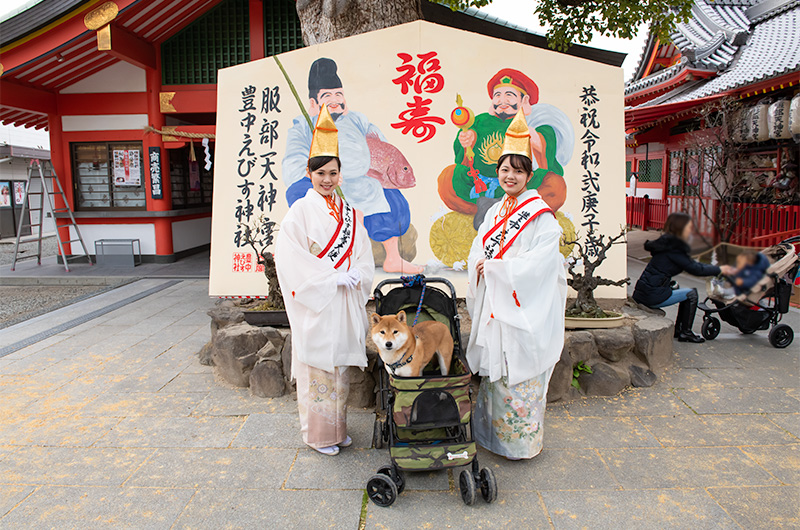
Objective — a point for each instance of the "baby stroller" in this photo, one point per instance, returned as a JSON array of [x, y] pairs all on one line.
[[426, 421], [764, 304]]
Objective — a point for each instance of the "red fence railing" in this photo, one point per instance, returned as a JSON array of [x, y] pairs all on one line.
[[755, 225], [763, 225], [644, 213]]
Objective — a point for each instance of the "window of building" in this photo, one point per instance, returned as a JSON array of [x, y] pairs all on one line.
[[628, 170], [649, 170], [108, 176], [191, 183]]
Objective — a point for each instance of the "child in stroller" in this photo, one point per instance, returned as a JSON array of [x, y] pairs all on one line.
[[762, 305], [751, 266]]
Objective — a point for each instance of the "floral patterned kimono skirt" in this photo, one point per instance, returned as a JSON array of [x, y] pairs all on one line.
[[322, 404], [509, 420]]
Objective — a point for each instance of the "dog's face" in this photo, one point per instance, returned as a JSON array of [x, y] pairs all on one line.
[[390, 332]]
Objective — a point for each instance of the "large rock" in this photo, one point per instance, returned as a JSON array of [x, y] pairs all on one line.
[[275, 336], [269, 353], [637, 310], [286, 358], [235, 352], [224, 315], [581, 346], [266, 380], [615, 343], [653, 338], [205, 355], [561, 380], [642, 377], [362, 387], [603, 381]]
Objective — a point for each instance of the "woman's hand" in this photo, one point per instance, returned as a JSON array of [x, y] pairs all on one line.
[[479, 266], [727, 270]]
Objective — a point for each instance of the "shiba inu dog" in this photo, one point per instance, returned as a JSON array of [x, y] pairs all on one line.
[[405, 351]]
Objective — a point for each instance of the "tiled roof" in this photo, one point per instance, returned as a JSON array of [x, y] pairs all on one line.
[[773, 49], [769, 8]]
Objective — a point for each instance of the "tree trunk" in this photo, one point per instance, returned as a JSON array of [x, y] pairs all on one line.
[[327, 20]]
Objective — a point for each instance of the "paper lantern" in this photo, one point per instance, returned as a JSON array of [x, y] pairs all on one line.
[[759, 129], [794, 117], [778, 120]]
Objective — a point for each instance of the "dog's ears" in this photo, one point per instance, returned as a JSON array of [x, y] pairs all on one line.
[[401, 316], [375, 318]]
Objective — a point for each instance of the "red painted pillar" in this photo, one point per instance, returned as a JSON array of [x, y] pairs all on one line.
[[59, 158], [163, 225], [256, 30]]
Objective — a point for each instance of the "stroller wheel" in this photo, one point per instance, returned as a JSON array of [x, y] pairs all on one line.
[[781, 335], [381, 490], [488, 485], [396, 475], [466, 485], [710, 328]]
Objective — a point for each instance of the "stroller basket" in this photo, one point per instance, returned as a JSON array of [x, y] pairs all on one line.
[[426, 421], [431, 402]]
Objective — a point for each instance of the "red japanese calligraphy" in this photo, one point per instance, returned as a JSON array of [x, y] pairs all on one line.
[[242, 262], [417, 121], [422, 78]]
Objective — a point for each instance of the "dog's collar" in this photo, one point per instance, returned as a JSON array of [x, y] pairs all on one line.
[[399, 364]]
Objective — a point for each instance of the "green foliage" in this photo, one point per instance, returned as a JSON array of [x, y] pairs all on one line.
[[571, 21], [576, 372]]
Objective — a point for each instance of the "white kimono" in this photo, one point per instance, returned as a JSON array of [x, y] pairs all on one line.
[[517, 310], [328, 321]]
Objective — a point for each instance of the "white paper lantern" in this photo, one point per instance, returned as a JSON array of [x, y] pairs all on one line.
[[759, 129], [778, 120], [794, 117]]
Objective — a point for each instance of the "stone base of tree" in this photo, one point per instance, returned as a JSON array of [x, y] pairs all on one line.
[[631, 355]]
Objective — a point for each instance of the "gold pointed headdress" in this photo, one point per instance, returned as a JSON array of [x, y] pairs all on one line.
[[518, 137], [325, 141]]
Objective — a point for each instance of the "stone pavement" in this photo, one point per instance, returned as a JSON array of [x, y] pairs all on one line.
[[112, 423]]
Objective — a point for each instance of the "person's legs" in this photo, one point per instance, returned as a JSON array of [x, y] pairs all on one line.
[[386, 228], [678, 295], [689, 312], [687, 298]]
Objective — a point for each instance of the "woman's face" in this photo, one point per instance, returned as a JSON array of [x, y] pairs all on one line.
[[512, 180], [325, 179], [687, 231]]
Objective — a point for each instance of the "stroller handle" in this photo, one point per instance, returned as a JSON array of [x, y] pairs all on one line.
[[792, 240], [433, 279]]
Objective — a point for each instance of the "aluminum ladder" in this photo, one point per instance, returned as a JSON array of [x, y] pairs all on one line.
[[42, 171]]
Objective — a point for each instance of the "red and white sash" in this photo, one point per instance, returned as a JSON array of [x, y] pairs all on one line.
[[518, 219], [340, 246]]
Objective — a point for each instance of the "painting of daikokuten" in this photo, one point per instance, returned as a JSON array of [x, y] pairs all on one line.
[[420, 131]]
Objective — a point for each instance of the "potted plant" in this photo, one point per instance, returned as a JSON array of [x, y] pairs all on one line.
[[272, 311], [584, 312]]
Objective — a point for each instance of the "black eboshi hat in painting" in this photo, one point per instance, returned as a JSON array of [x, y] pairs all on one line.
[[323, 75]]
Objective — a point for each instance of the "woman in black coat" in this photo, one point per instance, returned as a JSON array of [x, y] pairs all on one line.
[[671, 257]]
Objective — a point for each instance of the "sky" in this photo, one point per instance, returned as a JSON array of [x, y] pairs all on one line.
[[518, 11]]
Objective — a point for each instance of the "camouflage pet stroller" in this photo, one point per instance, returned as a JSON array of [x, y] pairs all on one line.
[[426, 422], [761, 307]]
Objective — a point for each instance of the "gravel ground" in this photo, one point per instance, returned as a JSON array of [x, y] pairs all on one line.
[[49, 248], [23, 302]]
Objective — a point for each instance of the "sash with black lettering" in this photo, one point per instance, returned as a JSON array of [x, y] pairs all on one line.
[[340, 246], [519, 218]]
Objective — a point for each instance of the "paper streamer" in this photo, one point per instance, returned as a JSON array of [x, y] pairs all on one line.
[[208, 154]]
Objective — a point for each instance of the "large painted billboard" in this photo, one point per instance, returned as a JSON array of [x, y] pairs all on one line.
[[422, 111]]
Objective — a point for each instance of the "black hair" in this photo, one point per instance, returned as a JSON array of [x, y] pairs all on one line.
[[523, 163], [316, 162], [676, 222]]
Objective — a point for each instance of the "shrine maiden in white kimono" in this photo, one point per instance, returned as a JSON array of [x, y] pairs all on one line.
[[319, 239], [517, 308]]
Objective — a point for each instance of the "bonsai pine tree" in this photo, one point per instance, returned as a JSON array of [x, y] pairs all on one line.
[[259, 237], [591, 253]]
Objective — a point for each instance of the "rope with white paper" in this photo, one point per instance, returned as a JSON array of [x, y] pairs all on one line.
[[208, 154]]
